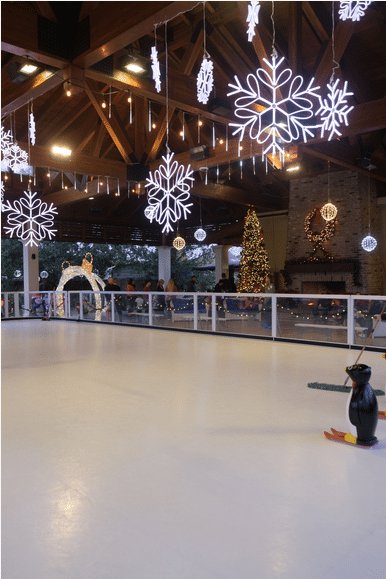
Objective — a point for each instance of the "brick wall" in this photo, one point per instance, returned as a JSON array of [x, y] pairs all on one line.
[[349, 191]]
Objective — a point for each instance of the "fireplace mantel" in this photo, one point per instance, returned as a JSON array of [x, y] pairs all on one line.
[[321, 267]]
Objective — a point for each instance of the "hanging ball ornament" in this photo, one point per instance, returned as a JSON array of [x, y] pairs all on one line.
[[200, 234], [179, 243], [369, 243], [44, 274], [328, 212]]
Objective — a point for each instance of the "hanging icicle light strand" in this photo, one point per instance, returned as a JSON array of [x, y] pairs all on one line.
[[155, 67], [252, 18], [205, 75]]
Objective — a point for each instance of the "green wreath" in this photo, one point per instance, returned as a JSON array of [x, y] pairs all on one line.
[[318, 238]]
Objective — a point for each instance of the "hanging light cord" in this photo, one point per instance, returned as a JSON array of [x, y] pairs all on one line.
[[335, 64], [274, 53], [205, 52], [368, 199], [167, 87]]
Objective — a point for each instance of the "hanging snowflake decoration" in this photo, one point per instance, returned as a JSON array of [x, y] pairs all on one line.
[[14, 158], [168, 190], [334, 109], [32, 129], [353, 10], [279, 118], [30, 219], [205, 80], [155, 68], [253, 18], [6, 139]]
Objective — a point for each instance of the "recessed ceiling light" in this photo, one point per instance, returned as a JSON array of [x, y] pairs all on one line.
[[28, 68], [293, 168], [135, 67], [61, 151]]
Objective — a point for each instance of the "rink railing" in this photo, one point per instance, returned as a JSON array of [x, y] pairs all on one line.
[[332, 319]]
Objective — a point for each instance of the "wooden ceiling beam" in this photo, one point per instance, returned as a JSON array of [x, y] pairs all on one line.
[[187, 63], [19, 96], [118, 26], [315, 23], [112, 128], [81, 163], [295, 37], [44, 9], [182, 91], [335, 156], [226, 193]]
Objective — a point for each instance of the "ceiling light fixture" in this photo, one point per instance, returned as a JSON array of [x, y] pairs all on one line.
[[293, 168], [61, 151], [28, 68]]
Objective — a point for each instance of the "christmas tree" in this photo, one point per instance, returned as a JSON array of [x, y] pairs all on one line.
[[254, 266]]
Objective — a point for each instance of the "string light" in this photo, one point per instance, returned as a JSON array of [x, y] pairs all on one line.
[[328, 211], [369, 243]]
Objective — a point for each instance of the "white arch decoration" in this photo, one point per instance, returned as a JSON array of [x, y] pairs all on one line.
[[75, 271]]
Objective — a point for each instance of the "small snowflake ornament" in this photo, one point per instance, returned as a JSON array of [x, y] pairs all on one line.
[[353, 10], [286, 114], [253, 18], [205, 80], [6, 139], [32, 129], [14, 158], [168, 191], [155, 68], [30, 219], [334, 109]]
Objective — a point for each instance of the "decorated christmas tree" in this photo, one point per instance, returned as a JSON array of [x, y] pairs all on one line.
[[254, 266]]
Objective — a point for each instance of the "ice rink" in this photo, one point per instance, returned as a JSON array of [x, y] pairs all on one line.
[[133, 453]]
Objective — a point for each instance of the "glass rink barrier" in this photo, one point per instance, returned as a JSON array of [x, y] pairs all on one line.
[[331, 319]]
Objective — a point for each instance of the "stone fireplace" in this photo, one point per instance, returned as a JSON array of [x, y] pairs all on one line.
[[339, 265]]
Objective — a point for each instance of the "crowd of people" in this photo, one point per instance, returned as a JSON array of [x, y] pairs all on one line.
[[139, 302]]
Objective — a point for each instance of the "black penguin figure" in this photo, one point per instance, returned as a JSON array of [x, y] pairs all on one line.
[[363, 407]]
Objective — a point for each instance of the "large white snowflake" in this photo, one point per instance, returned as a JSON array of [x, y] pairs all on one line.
[[353, 10], [155, 68], [334, 109], [205, 80], [168, 191], [283, 115], [253, 18], [30, 219]]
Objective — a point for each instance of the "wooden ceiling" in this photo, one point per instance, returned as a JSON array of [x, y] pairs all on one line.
[[83, 44]]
